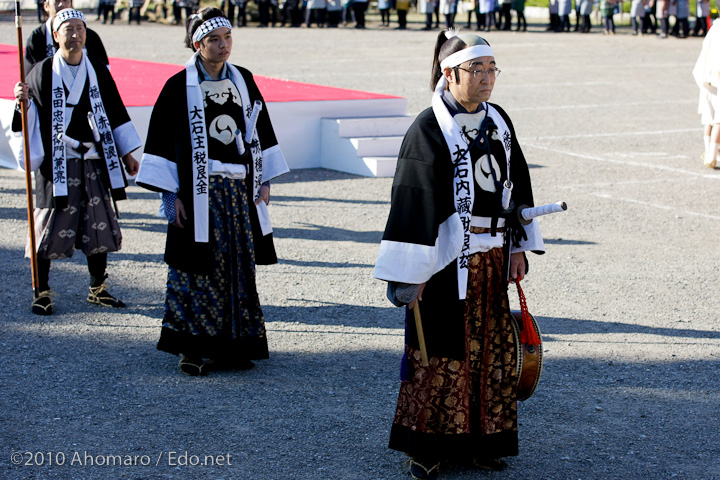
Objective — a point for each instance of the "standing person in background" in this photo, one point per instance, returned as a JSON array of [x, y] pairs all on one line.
[[519, 7], [564, 9], [650, 20], [77, 176], [577, 15], [475, 10], [178, 7], [673, 14], [586, 8], [229, 8], [637, 15], [108, 10], [242, 13], [263, 13], [607, 8], [707, 76], [134, 8], [334, 13], [347, 14], [554, 19], [449, 10], [506, 14], [384, 9], [702, 11], [663, 14], [359, 7], [402, 7], [215, 182], [487, 8], [682, 24], [316, 10], [444, 247], [427, 7], [41, 44]]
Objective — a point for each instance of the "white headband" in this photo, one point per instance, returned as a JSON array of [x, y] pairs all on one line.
[[210, 25], [466, 54], [66, 14]]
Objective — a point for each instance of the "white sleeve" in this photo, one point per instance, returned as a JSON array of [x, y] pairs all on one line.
[[17, 145], [534, 240]]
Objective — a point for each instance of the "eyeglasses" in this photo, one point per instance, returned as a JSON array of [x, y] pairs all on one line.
[[493, 72]]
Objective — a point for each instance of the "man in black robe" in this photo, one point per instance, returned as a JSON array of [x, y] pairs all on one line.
[[452, 227], [40, 43], [211, 151], [79, 133]]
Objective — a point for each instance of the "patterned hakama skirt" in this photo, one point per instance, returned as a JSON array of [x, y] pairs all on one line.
[[465, 409], [88, 223], [218, 315]]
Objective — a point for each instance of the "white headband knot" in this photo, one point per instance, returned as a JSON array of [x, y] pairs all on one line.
[[210, 25], [466, 54], [65, 15]]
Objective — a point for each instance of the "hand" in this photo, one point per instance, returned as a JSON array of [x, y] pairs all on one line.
[[517, 266], [21, 91], [179, 213], [264, 195], [421, 288], [131, 165]]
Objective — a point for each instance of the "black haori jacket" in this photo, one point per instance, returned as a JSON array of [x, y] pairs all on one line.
[[423, 235], [167, 162], [78, 128]]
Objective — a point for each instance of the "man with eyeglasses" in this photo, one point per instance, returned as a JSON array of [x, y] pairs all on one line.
[[40, 44], [452, 241]]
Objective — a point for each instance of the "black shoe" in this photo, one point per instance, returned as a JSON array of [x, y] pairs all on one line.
[[43, 304], [101, 296]]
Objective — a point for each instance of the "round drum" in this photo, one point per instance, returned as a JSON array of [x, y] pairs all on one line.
[[529, 359]]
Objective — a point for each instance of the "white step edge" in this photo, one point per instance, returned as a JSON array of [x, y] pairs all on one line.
[[373, 126]]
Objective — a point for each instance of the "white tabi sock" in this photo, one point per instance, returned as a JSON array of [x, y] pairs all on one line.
[[711, 155]]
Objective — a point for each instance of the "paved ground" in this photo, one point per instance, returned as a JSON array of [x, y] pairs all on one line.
[[625, 296]]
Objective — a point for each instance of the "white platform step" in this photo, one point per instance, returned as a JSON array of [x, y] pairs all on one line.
[[376, 146], [363, 146], [381, 167], [373, 126]]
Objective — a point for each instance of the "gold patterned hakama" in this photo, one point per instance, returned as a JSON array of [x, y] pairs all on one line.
[[465, 408]]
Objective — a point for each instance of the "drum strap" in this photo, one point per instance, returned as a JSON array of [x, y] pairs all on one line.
[[528, 335]]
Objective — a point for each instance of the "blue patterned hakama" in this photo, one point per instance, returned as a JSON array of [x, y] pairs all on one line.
[[218, 315]]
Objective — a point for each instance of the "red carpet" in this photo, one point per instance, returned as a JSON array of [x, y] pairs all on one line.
[[140, 82]]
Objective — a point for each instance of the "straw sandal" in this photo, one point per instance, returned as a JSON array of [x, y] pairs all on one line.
[[418, 471], [192, 366], [101, 296], [43, 304]]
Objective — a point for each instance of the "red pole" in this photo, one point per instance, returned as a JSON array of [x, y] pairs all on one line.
[[26, 144]]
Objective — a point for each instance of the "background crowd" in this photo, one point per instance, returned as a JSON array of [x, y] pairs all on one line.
[[680, 18]]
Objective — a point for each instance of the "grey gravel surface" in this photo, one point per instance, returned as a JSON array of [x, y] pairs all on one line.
[[626, 295]]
